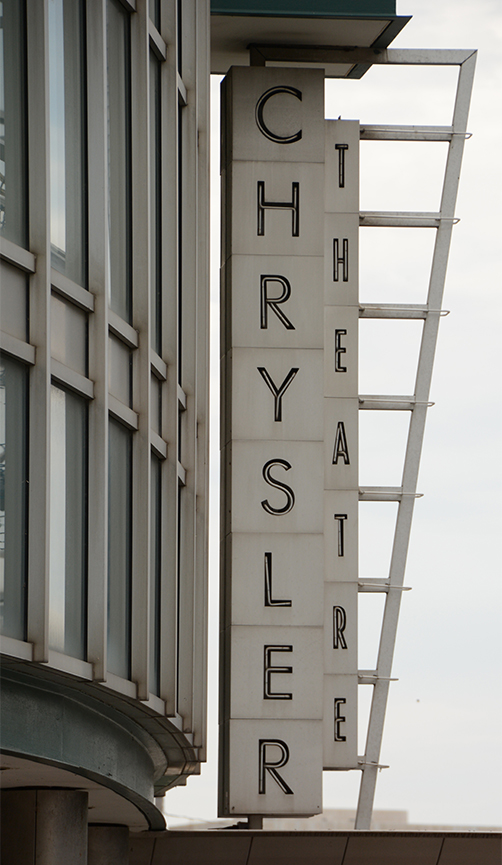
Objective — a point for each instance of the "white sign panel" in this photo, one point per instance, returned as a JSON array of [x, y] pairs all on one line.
[[341, 412], [289, 440]]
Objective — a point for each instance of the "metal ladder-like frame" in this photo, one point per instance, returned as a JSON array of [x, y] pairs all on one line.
[[431, 312]]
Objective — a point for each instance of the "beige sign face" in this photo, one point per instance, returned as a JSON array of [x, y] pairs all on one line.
[[289, 441]]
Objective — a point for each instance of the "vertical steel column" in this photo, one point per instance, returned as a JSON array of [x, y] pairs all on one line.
[[415, 436], [141, 228], [201, 408], [187, 353], [99, 275], [40, 328], [169, 431]]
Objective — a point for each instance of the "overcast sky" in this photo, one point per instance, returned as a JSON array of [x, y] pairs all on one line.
[[442, 733]]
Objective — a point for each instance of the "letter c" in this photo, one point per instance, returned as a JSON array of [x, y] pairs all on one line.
[[279, 139]]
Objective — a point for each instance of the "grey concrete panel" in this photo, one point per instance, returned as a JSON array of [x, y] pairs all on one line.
[[302, 655], [303, 309], [340, 227], [278, 179], [232, 847], [341, 550], [293, 849], [341, 326], [296, 575], [141, 847], [249, 488], [283, 114], [302, 773], [342, 166], [340, 627], [397, 850], [108, 845], [471, 850], [198, 849], [277, 394], [340, 722], [341, 445]]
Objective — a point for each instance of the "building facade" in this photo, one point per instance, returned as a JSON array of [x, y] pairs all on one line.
[[104, 193], [104, 388]]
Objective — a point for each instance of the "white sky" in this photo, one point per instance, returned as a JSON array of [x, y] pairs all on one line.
[[442, 733]]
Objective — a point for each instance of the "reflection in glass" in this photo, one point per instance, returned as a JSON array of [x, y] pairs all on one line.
[[155, 204], [68, 524], [68, 138], [119, 549], [154, 12], [119, 157], [155, 527], [13, 180], [13, 497]]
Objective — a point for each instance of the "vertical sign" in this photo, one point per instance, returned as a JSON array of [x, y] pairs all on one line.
[[341, 411], [289, 446]]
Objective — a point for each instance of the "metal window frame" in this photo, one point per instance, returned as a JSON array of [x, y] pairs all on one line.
[[418, 404]]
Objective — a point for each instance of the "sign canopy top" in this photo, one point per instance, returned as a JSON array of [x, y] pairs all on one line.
[[258, 32]]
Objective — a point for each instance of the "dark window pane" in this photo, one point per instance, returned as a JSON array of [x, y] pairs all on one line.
[[13, 138], [154, 11], [155, 204], [68, 524], [155, 551], [119, 549], [13, 497], [76, 527], [119, 157], [68, 131]]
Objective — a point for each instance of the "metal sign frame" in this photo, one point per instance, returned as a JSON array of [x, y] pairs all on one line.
[[418, 404]]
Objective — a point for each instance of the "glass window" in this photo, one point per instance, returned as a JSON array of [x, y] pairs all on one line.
[[119, 157], [68, 132], [14, 301], [68, 524], [119, 549], [154, 11], [155, 204], [13, 497], [179, 11], [13, 180], [155, 524]]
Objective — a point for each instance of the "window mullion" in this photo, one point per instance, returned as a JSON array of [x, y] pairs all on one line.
[[140, 58], [98, 338], [40, 312]]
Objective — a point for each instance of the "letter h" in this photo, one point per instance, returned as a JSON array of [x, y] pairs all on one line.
[[340, 260], [293, 205]]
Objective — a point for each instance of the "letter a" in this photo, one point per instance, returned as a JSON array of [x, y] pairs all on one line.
[[341, 448]]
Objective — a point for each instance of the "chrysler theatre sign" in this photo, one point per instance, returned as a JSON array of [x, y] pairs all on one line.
[[290, 484]]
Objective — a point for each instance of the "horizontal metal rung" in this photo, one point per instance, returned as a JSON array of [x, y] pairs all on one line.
[[362, 762], [367, 402], [398, 219], [398, 310], [372, 676], [384, 494], [370, 132], [371, 584]]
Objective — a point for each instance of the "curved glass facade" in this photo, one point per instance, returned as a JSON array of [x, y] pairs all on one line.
[[100, 428]]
